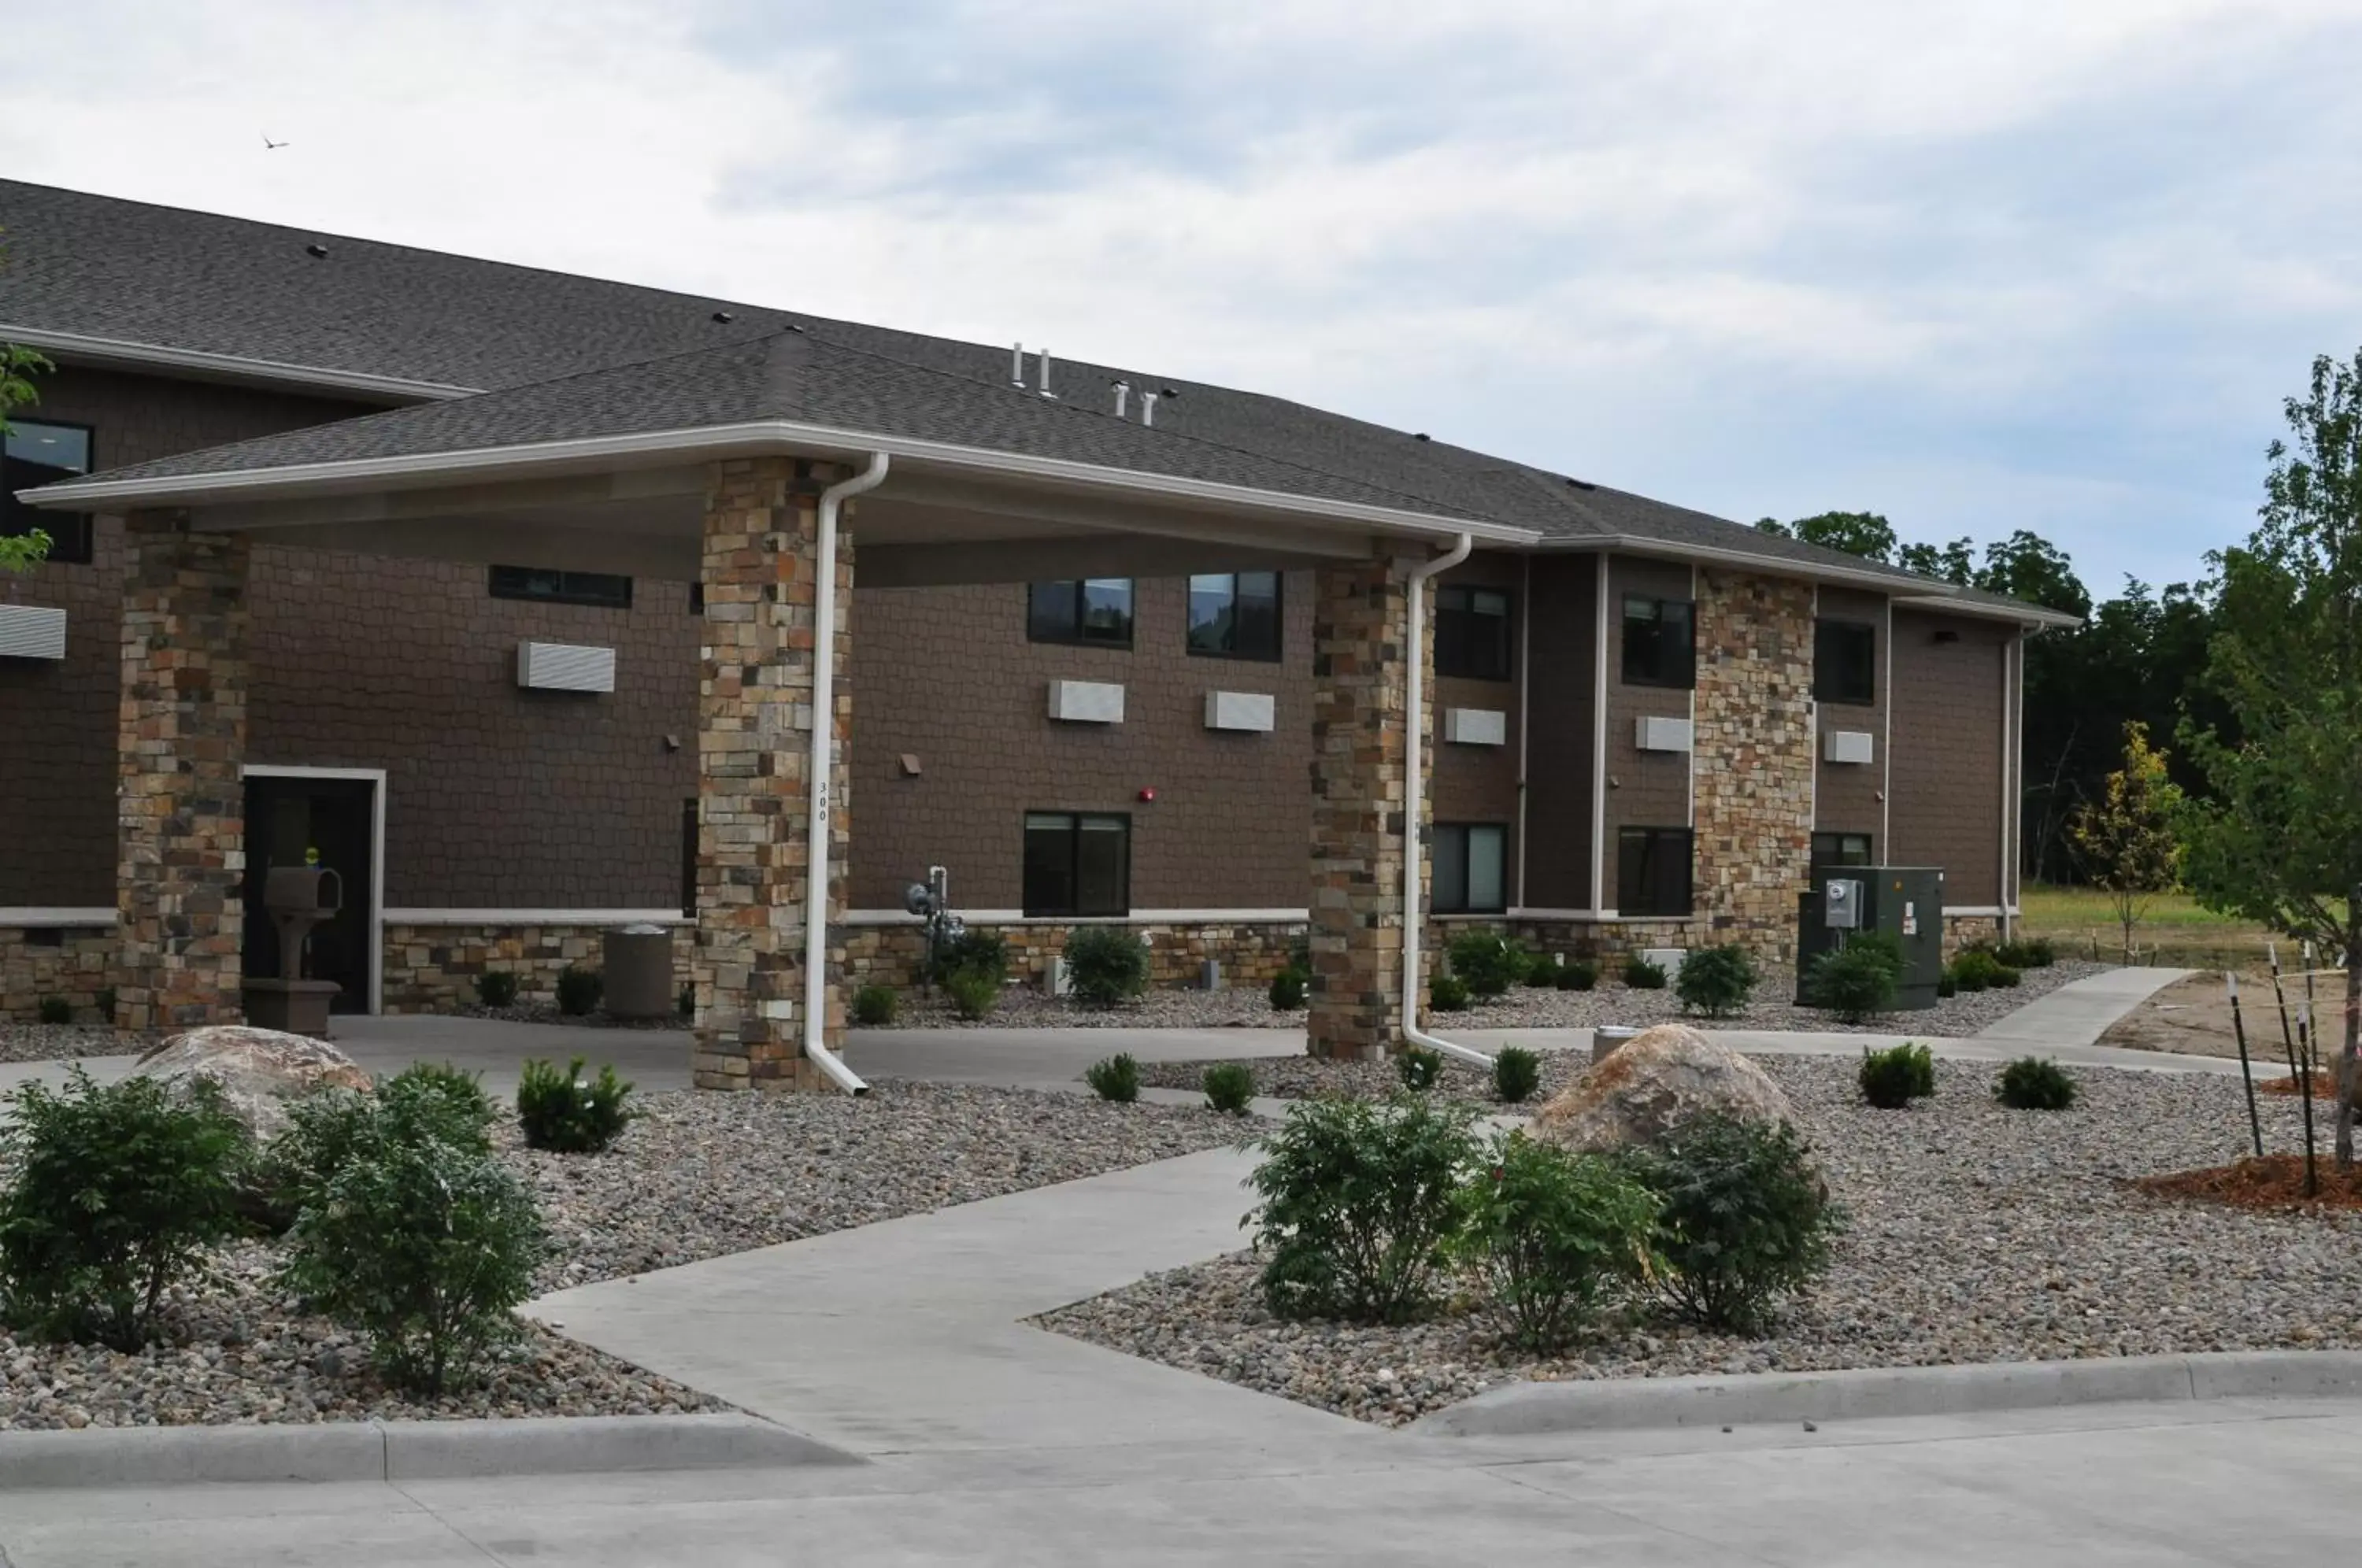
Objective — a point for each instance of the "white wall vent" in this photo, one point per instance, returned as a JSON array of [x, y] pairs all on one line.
[[564, 667], [1476, 726], [1255, 710], [32, 631], [1087, 701], [1847, 746], [1651, 734]]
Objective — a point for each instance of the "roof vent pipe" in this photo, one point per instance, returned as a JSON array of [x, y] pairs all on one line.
[[1122, 392], [1148, 408], [1016, 367], [1045, 377]]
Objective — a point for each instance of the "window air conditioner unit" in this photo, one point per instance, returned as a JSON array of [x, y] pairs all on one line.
[[1241, 711], [1087, 701], [564, 667], [1476, 726], [1847, 746], [32, 631], [1661, 734]]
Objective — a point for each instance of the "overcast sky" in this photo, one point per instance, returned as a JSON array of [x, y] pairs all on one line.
[[1978, 265]]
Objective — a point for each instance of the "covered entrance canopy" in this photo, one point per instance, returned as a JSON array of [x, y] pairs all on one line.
[[738, 467]]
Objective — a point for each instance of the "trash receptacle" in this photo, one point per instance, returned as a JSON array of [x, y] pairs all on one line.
[[1607, 1038], [638, 964]]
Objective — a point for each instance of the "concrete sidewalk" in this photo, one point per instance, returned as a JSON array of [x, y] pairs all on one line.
[[2077, 1014]]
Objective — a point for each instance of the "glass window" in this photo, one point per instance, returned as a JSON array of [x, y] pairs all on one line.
[[552, 586], [1080, 610], [1468, 865], [1659, 648], [1471, 633], [1652, 871], [1077, 863], [1844, 662], [1841, 849], [39, 452], [1235, 614]]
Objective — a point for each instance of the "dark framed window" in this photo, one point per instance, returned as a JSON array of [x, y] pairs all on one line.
[[1659, 642], [1469, 863], [1080, 610], [1844, 662], [1841, 849], [42, 451], [551, 586], [1471, 633], [1077, 863], [1652, 871], [1234, 614]]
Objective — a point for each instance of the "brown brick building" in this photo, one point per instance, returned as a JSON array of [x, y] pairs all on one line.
[[1098, 697]]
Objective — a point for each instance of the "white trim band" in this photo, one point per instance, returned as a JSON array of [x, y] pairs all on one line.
[[537, 917], [1137, 917], [47, 916]]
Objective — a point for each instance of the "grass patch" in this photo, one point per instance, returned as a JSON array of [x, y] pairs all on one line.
[[2173, 930]]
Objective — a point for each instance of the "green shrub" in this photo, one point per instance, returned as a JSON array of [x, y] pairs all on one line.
[[1357, 1202], [425, 1102], [1643, 974], [1945, 985], [1516, 1073], [972, 951], [1116, 1078], [1745, 1221], [876, 1005], [1105, 964], [1894, 1078], [1288, 988], [106, 1004], [688, 1003], [1542, 970], [1578, 975], [2030, 953], [426, 1247], [1228, 1087], [578, 990], [118, 1192], [1447, 993], [1975, 968], [974, 993], [54, 1010], [2005, 978], [1486, 962], [1300, 953], [1551, 1233], [1857, 981], [1418, 1068], [2034, 1083], [496, 987], [1716, 980], [559, 1112]]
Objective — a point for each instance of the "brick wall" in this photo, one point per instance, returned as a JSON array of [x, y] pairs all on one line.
[[1945, 789]]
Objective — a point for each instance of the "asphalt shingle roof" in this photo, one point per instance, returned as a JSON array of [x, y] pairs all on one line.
[[558, 356]]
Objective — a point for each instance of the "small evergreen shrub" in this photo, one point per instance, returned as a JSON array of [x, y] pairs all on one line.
[[578, 990], [1578, 975], [1541, 971], [54, 1010], [2005, 978], [1857, 981], [876, 1005], [1552, 1233], [1516, 1073], [1356, 1203], [1105, 964], [974, 993], [973, 952], [1447, 993], [2034, 1083], [1717, 981], [1945, 985], [1228, 1087], [688, 1001], [118, 1192], [496, 987], [1744, 1220], [2030, 953], [559, 1112], [106, 1004], [1418, 1068], [1893, 1078], [1643, 974], [1975, 969], [1288, 990], [1486, 962], [425, 1102], [1116, 1078]]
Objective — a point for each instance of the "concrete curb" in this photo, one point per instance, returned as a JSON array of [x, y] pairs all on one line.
[[402, 1451], [1755, 1399]]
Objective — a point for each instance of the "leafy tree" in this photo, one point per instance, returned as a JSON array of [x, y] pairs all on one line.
[[2125, 838], [18, 365], [2025, 565], [1863, 533], [2281, 840], [1953, 562]]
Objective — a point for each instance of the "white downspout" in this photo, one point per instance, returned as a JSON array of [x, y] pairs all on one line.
[[1414, 805], [823, 727]]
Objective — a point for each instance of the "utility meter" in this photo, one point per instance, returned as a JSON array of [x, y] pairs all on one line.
[[1841, 903]]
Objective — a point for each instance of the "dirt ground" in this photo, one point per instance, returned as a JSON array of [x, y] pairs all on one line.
[[2193, 1016]]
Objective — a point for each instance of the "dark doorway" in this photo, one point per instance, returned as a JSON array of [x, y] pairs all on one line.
[[285, 818]]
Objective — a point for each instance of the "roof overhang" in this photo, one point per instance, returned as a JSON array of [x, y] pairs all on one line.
[[1918, 593], [2033, 617], [120, 354]]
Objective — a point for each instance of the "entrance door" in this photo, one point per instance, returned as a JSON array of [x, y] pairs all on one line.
[[286, 818]]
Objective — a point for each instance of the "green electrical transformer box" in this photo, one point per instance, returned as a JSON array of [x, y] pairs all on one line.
[[1906, 903]]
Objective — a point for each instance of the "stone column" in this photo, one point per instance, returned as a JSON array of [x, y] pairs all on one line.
[[1360, 694], [755, 716], [1752, 758], [181, 801]]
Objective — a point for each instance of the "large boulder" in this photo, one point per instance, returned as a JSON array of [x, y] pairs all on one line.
[[258, 1071], [1657, 1080]]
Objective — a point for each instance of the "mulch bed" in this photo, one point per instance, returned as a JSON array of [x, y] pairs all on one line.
[[2276, 1181]]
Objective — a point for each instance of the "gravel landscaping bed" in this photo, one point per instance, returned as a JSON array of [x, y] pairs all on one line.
[[60, 1042], [547, 1012], [1021, 1007], [1977, 1234]]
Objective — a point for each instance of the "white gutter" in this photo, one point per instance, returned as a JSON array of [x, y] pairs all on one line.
[[1414, 805], [76, 347], [823, 727]]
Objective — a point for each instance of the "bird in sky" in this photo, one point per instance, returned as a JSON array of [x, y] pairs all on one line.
[[268, 145]]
